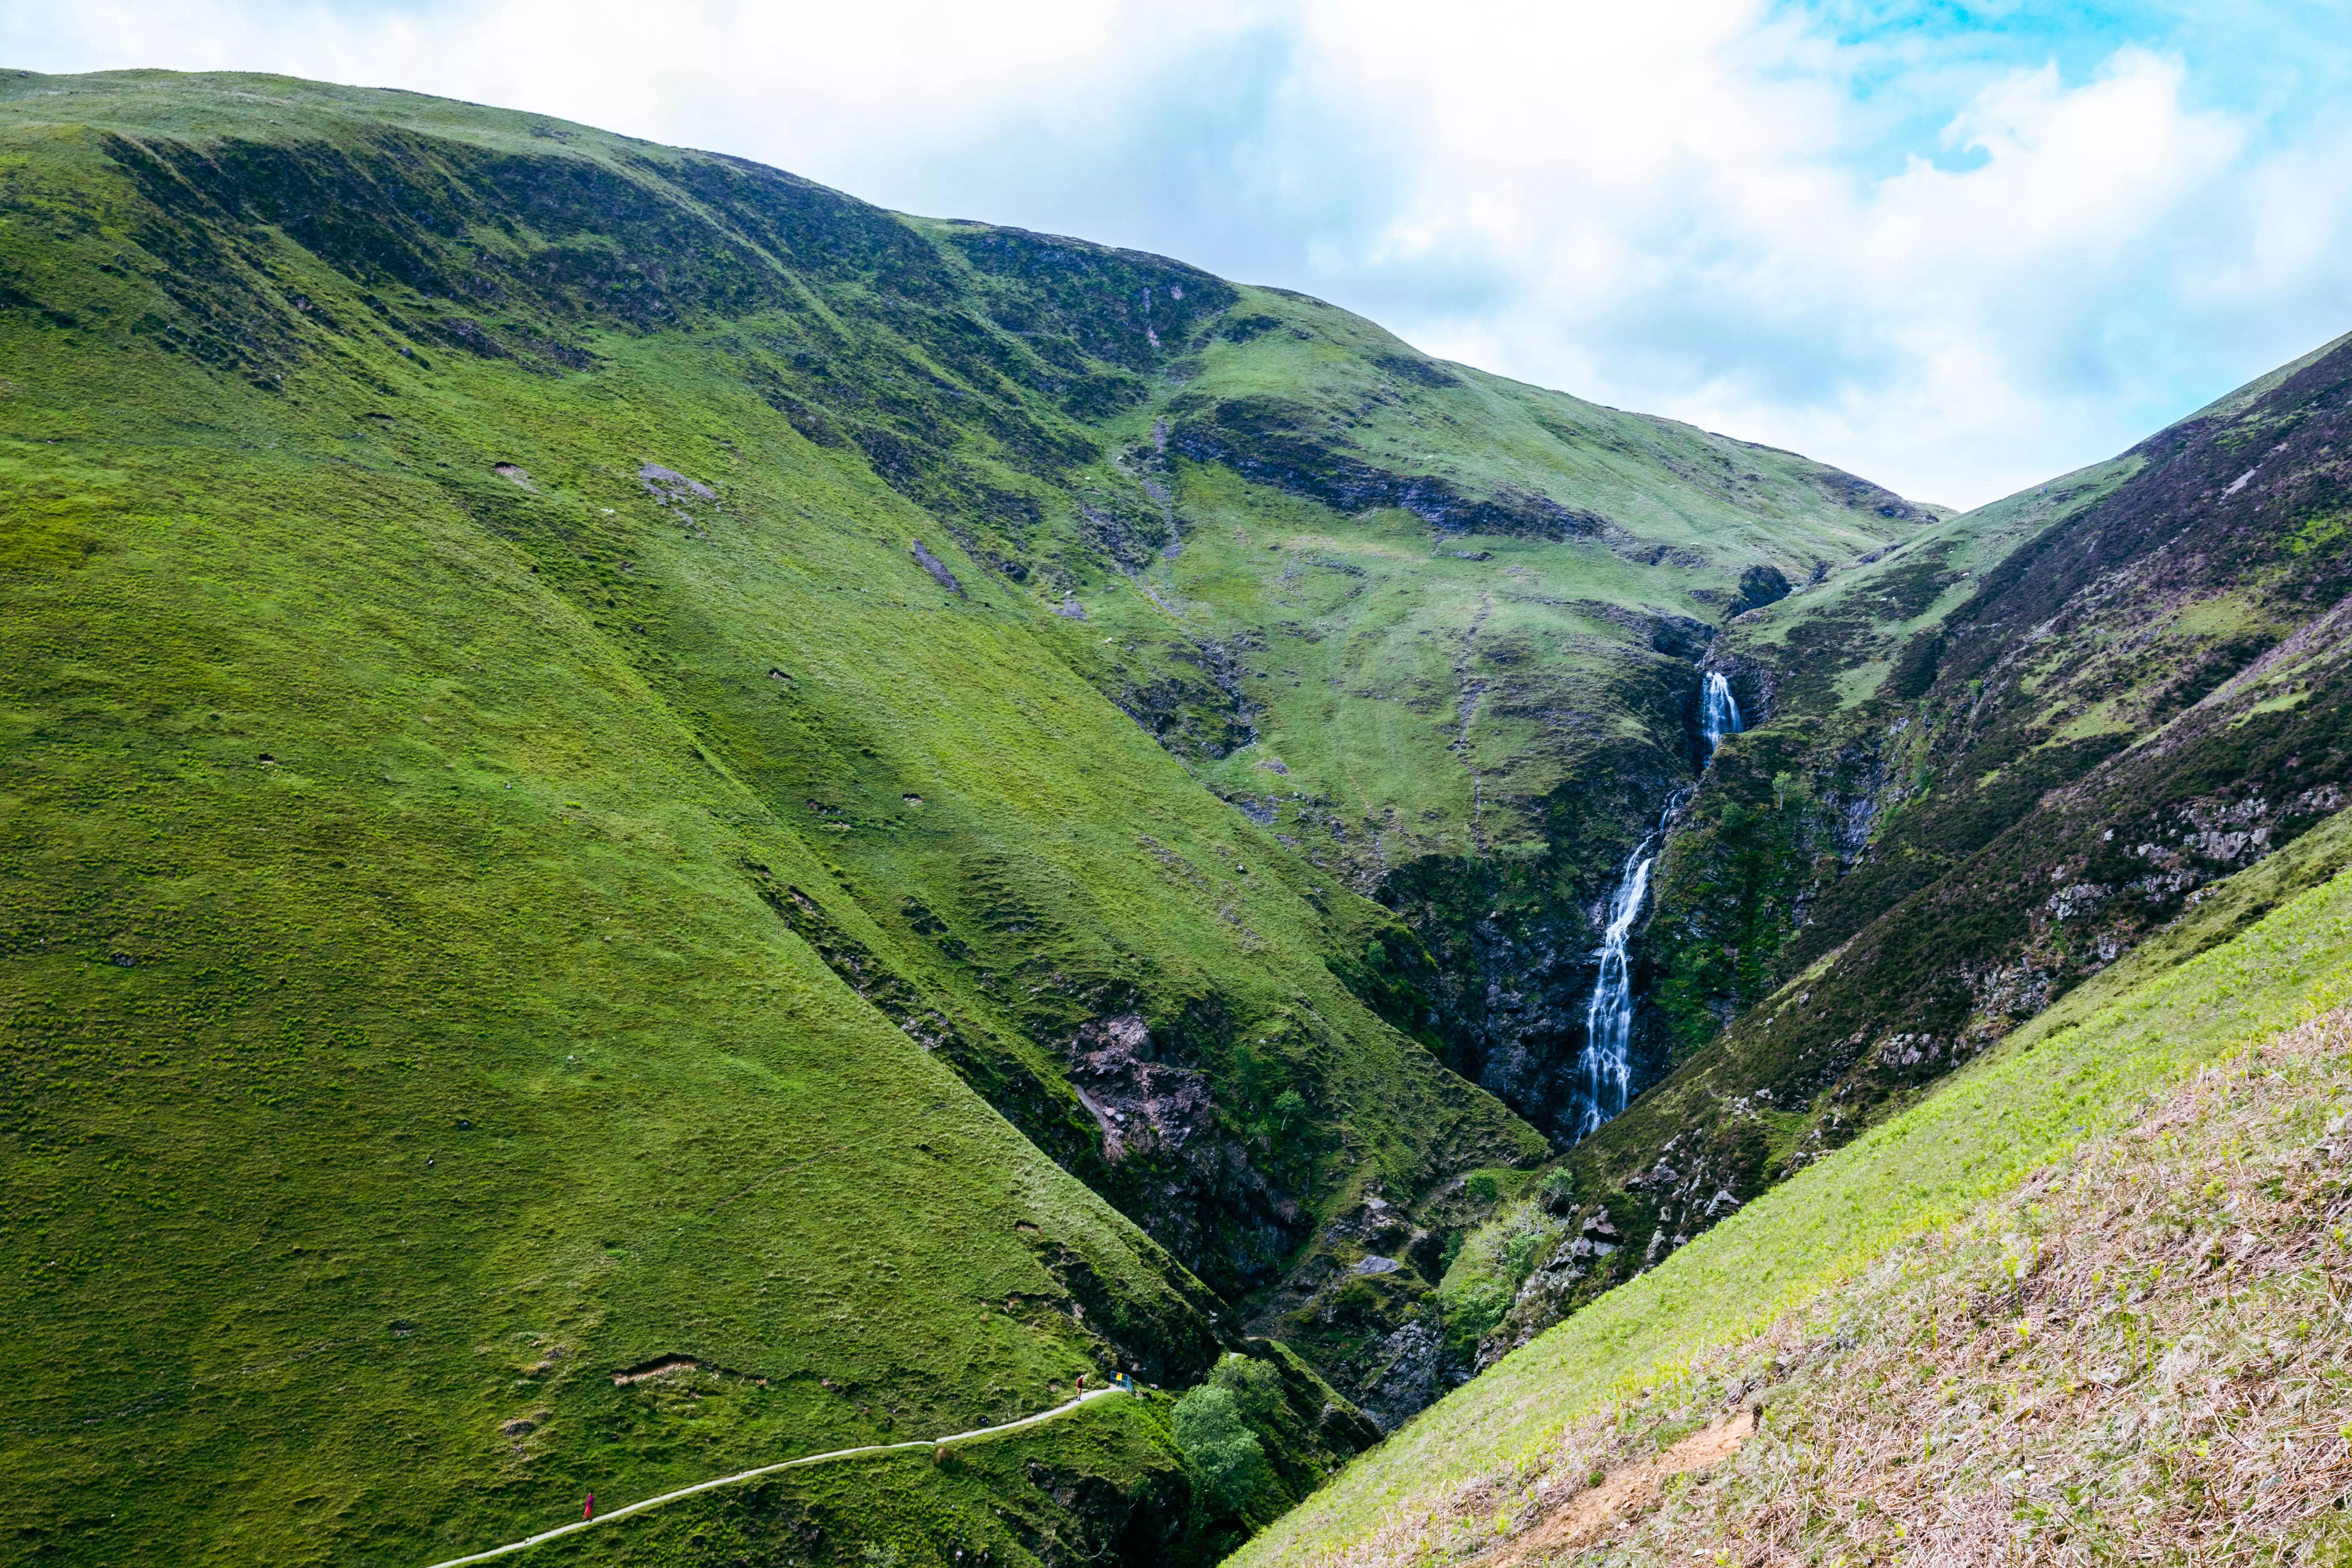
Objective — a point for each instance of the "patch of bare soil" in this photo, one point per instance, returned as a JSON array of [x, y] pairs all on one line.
[[1624, 1493], [656, 1368], [662, 1366]]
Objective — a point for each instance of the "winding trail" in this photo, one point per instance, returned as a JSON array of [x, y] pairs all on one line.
[[577, 1525]]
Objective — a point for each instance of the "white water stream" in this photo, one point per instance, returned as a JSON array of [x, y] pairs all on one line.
[[1718, 713], [1605, 1070]]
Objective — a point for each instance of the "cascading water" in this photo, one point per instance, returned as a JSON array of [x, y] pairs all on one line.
[[1606, 1071], [1718, 713]]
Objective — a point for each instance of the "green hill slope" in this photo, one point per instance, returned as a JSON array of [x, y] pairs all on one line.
[[1468, 1471], [605, 761], [402, 1045]]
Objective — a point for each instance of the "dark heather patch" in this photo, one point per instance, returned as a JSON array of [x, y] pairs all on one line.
[[1269, 440]]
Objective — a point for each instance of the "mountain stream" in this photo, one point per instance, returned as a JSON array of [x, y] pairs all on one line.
[[1718, 712], [1605, 1070]]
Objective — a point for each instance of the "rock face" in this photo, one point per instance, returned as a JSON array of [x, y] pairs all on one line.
[[1152, 1107], [1194, 704], [1193, 1188], [1274, 442], [1139, 1523], [1408, 1372], [1362, 1302], [1759, 586], [936, 567]]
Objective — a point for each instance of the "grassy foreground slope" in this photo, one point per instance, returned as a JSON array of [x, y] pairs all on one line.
[[2139, 1354], [2078, 1072]]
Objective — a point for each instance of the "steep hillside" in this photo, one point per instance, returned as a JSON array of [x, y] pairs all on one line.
[[1985, 766], [1470, 712], [608, 876], [2086, 1295]]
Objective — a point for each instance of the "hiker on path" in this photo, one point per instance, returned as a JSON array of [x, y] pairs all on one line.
[[588, 1510]]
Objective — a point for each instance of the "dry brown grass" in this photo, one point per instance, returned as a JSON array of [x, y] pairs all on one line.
[[2142, 1356]]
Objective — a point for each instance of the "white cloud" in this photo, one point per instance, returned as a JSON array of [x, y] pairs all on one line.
[[1684, 231], [1702, 209]]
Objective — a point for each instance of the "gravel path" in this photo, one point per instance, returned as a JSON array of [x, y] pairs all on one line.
[[1037, 1420]]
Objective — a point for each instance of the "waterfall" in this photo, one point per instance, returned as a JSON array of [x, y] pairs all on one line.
[[1719, 713], [1605, 1073], [1605, 1070]]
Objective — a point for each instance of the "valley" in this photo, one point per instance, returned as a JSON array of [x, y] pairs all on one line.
[[660, 821]]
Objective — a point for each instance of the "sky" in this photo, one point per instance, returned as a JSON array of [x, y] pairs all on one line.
[[1957, 248]]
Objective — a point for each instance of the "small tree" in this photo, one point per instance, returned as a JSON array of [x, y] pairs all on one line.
[[1256, 1386], [1226, 1460]]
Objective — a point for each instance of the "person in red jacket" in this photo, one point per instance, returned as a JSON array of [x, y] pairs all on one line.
[[588, 1510]]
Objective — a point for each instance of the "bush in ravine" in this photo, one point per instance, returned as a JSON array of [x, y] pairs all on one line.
[[1226, 1460], [1484, 1277], [1256, 1386], [1289, 1111]]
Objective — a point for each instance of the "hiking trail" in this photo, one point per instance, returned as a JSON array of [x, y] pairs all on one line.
[[652, 1502]]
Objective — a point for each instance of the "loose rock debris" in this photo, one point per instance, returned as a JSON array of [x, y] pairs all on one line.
[[939, 574]]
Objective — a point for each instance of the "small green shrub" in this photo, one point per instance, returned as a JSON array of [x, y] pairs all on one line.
[[1483, 1278], [1471, 1312], [1522, 1247]]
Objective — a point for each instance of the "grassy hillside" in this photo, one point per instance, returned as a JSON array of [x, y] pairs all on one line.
[[2074, 1076], [401, 1043], [2139, 1354], [605, 777]]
